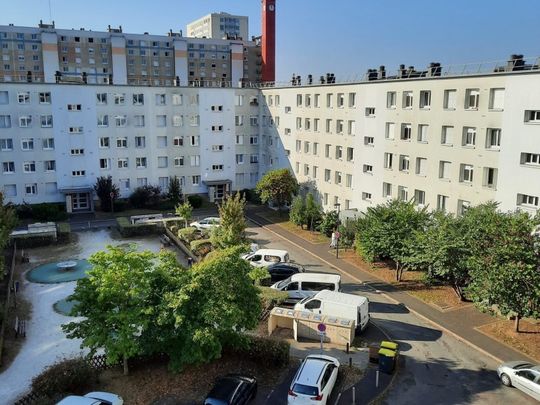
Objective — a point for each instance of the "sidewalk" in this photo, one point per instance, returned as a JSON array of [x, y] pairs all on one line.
[[460, 322]]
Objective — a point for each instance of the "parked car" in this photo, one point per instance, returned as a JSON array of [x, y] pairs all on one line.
[[302, 285], [281, 271], [314, 380], [206, 223], [522, 375], [266, 257], [233, 389], [93, 398]]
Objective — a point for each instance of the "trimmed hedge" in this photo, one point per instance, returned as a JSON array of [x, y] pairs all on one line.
[[271, 297], [195, 200], [32, 240], [201, 247], [187, 234], [267, 350], [42, 212], [141, 229]]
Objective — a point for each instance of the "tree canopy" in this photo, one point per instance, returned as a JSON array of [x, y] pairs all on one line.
[[104, 187], [184, 211], [8, 220], [277, 186], [232, 228]]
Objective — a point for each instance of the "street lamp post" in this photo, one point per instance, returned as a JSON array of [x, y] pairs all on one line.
[[336, 206]]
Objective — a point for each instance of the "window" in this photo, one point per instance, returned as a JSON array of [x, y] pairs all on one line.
[[27, 144], [299, 100], [352, 100], [390, 130], [327, 151], [195, 160], [339, 127], [387, 190], [317, 100], [195, 180], [287, 110], [6, 144], [490, 177], [408, 99], [315, 171], [298, 123], [403, 193], [463, 206], [469, 137], [217, 168], [527, 200], [23, 97], [239, 140], [103, 121], [447, 136], [328, 125], [340, 100], [101, 98], [30, 189], [472, 97], [75, 130], [325, 198], [444, 170], [161, 99], [162, 161], [138, 120], [29, 167], [329, 101], [306, 146], [45, 98], [161, 142], [493, 138], [124, 184], [532, 159], [339, 152], [177, 99], [121, 142], [350, 154], [368, 169], [48, 143], [50, 165], [419, 197], [466, 173], [142, 181], [120, 120], [8, 167], [423, 133], [123, 163], [496, 99], [140, 142], [138, 99], [404, 163], [46, 121], [5, 121], [327, 175], [366, 196], [194, 140], [450, 99], [337, 178], [140, 162], [391, 98], [217, 128], [421, 166], [4, 97], [442, 202], [406, 132], [307, 124], [532, 116], [369, 140], [316, 148], [388, 160], [178, 141], [306, 170], [370, 111], [25, 121], [239, 159], [179, 161], [74, 107], [217, 148], [425, 99], [239, 120], [161, 120], [105, 164], [254, 159], [254, 121]]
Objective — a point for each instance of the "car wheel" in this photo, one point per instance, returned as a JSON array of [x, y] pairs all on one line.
[[505, 379]]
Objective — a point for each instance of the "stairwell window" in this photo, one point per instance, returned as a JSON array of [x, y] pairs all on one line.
[[527, 200], [532, 116], [370, 112], [472, 98]]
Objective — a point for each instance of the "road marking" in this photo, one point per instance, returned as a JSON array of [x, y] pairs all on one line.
[[425, 318]]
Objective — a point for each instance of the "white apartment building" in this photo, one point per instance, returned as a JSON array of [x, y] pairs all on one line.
[[445, 141], [56, 139], [219, 26]]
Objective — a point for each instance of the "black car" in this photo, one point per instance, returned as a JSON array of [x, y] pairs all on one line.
[[281, 271], [232, 389]]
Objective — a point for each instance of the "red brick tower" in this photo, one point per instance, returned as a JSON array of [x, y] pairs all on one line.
[[268, 40]]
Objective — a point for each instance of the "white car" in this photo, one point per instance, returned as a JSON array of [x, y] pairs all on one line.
[[522, 375], [206, 223], [314, 380], [93, 398]]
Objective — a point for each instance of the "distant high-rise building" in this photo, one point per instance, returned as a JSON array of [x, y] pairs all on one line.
[[268, 40], [219, 26]]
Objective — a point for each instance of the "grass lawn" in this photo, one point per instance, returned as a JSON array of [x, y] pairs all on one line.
[[526, 341], [283, 221]]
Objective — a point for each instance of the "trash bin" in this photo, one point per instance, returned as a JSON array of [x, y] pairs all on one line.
[[387, 360], [374, 352], [389, 345]]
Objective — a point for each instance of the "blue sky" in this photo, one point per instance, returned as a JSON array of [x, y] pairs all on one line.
[[314, 36]]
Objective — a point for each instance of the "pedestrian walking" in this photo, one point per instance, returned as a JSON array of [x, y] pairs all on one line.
[[190, 261], [333, 241]]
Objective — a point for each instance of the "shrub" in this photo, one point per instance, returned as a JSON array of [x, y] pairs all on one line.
[[187, 234], [258, 274], [265, 350], [271, 298], [33, 240], [141, 229], [251, 196], [145, 197], [121, 205], [195, 200], [201, 247], [297, 214], [42, 212], [66, 376], [329, 223]]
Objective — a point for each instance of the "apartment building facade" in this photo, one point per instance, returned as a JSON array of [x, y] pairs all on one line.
[[445, 142], [47, 54], [219, 26], [56, 139]]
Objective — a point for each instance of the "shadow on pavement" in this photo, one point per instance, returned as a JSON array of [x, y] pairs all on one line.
[[406, 331], [387, 308]]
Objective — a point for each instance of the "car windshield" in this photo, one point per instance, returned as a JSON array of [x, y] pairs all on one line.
[[305, 389], [521, 366], [283, 283]]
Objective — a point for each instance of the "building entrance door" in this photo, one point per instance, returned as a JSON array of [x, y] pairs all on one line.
[[80, 202]]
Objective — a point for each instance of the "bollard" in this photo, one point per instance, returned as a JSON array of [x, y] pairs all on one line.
[[347, 347], [377, 379], [354, 395], [350, 361]]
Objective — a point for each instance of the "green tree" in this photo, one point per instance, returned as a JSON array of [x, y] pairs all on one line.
[[232, 228], [175, 190], [184, 211], [383, 232], [313, 212], [8, 220], [120, 302], [329, 223], [297, 214], [104, 187], [277, 186], [211, 310]]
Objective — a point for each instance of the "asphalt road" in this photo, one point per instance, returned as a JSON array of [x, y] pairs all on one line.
[[435, 367]]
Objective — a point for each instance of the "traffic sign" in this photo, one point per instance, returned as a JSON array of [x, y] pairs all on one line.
[[321, 327]]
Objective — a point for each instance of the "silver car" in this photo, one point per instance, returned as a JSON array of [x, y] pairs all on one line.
[[522, 375]]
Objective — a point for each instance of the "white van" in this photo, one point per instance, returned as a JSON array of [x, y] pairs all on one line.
[[266, 257], [338, 304], [302, 285]]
